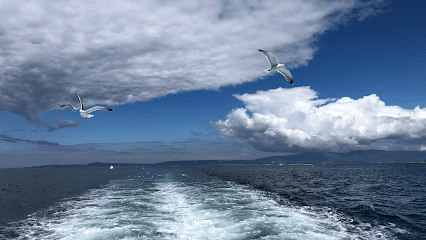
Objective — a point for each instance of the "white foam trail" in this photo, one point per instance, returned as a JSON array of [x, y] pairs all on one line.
[[237, 213], [172, 207]]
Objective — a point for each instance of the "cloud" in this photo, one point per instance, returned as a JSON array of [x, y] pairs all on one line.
[[197, 134], [38, 143], [7, 138], [16, 152], [296, 119], [66, 123], [61, 123], [116, 52]]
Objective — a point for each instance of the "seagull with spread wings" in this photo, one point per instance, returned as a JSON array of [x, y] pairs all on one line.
[[85, 113], [277, 67]]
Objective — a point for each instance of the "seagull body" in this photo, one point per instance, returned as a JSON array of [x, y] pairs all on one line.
[[277, 67], [85, 113]]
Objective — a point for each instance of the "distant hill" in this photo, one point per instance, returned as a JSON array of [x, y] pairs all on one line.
[[94, 164], [371, 156]]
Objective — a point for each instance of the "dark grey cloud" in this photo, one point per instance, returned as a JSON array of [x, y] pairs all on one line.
[[7, 138], [66, 123], [114, 52], [53, 146], [61, 123]]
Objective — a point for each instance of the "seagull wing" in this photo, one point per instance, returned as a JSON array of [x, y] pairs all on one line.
[[286, 73], [270, 57], [69, 105], [95, 108], [81, 103]]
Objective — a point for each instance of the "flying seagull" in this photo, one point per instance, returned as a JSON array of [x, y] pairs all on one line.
[[85, 113], [277, 67], [184, 175]]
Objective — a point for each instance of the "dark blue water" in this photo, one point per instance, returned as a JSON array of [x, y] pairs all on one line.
[[391, 197], [368, 201]]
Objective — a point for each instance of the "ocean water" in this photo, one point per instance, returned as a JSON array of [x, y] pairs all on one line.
[[369, 201]]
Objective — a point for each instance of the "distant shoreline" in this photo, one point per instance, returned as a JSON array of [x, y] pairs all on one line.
[[315, 158]]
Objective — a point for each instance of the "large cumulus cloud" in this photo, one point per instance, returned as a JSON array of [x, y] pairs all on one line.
[[115, 52], [296, 119]]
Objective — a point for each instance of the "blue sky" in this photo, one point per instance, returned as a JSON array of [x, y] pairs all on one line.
[[193, 85]]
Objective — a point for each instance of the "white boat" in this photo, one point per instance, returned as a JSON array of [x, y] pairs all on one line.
[[111, 167]]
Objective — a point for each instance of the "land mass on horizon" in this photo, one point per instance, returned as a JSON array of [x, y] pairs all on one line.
[[360, 156]]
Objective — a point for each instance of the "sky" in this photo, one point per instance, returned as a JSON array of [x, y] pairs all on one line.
[[187, 82]]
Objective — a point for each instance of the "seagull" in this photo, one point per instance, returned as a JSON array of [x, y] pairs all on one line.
[[184, 175], [277, 67], [85, 113]]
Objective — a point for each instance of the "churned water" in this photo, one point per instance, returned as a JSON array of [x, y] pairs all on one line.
[[229, 202]]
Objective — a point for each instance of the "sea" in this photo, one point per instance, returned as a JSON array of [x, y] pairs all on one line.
[[331, 201]]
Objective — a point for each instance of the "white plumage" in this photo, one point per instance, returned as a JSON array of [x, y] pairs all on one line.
[[277, 67], [85, 113]]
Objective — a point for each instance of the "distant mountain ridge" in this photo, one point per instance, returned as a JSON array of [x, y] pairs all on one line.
[[93, 164], [361, 156]]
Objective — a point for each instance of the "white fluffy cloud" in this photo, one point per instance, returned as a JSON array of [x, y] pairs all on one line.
[[296, 120], [115, 52]]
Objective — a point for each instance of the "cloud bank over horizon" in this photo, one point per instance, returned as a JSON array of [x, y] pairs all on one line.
[[296, 120], [23, 152], [116, 52]]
